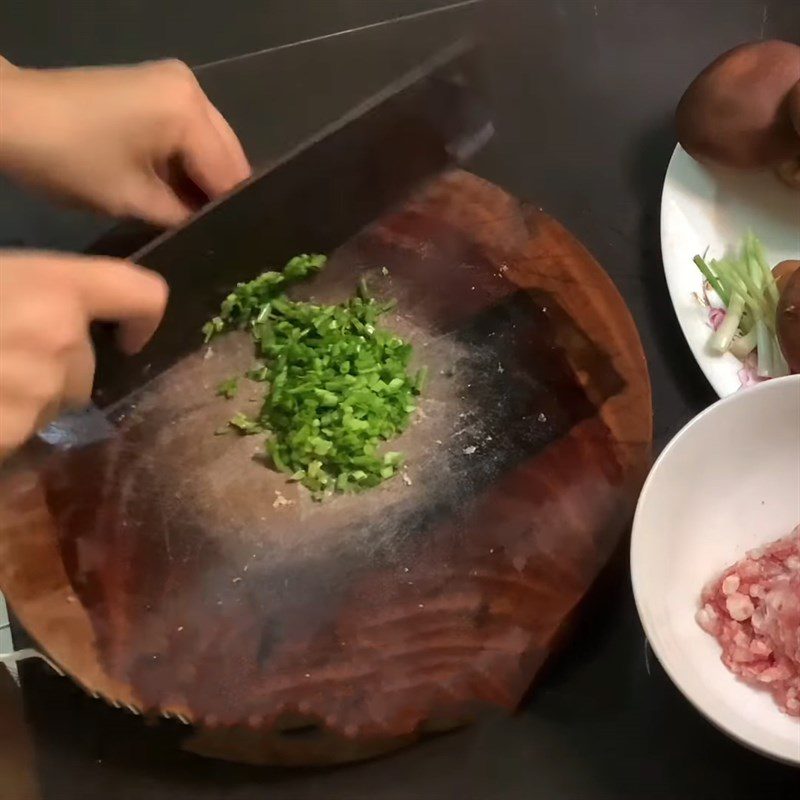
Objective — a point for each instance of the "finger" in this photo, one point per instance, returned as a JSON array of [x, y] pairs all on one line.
[[208, 160], [18, 423], [158, 203], [231, 141], [118, 291], [31, 393], [79, 376]]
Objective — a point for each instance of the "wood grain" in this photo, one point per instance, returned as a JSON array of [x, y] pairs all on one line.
[[154, 569]]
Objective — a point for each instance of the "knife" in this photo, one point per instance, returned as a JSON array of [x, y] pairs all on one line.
[[311, 200]]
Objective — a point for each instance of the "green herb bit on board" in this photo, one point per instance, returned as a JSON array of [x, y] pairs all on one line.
[[228, 388], [338, 384]]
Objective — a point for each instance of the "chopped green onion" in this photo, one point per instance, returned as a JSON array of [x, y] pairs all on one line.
[[743, 345], [228, 388], [723, 337], [338, 383], [421, 379], [768, 278], [764, 346], [747, 287], [212, 328], [712, 279], [245, 425]]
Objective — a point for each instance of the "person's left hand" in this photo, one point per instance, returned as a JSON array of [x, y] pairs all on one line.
[[47, 302], [141, 141]]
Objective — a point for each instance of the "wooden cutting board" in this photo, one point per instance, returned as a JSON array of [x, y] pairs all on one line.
[[160, 569]]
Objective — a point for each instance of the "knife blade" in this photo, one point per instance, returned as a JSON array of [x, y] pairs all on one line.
[[311, 200]]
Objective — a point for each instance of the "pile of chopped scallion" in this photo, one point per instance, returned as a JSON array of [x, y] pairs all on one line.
[[338, 384]]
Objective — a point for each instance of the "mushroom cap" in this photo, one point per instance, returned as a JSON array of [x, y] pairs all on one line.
[[793, 105], [788, 320], [743, 109], [783, 271]]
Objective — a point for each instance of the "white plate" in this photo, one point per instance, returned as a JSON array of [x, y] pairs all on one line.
[[714, 208], [728, 482]]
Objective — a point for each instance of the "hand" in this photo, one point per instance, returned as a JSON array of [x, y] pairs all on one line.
[[47, 301], [140, 141]]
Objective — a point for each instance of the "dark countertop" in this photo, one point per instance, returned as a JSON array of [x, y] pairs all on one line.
[[583, 93]]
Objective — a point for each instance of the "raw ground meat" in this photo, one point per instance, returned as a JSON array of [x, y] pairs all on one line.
[[753, 610]]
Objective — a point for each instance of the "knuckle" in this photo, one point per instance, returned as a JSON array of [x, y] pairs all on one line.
[[27, 392], [47, 387], [121, 202], [176, 68], [181, 85], [44, 322], [67, 333], [64, 339]]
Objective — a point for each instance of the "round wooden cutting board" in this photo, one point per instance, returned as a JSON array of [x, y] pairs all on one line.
[[169, 570]]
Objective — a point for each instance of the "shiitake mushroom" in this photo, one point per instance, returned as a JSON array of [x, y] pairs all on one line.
[[787, 276], [783, 271], [793, 106], [789, 171], [743, 110]]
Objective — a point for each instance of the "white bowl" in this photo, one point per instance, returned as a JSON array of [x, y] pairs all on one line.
[[728, 482]]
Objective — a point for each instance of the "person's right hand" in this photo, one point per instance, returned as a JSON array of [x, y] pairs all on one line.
[[47, 301], [141, 141]]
